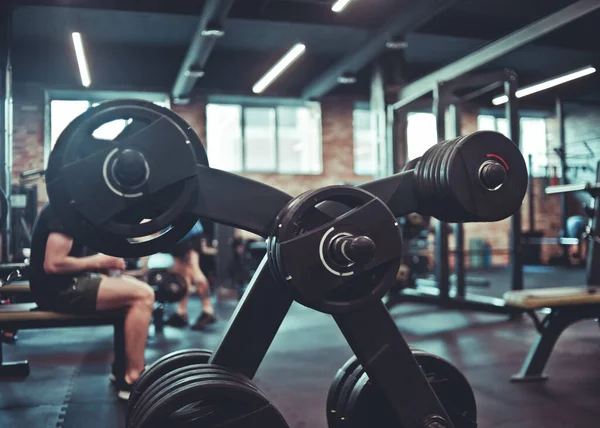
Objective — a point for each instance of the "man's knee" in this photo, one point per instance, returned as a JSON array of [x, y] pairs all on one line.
[[142, 292], [146, 296]]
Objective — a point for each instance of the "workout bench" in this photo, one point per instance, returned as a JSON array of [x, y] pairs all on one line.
[[24, 316], [566, 305], [17, 287]]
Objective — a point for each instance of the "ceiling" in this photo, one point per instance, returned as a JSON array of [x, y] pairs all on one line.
[[140, 45]]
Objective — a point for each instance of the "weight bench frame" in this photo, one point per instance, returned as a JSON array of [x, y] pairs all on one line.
[[22, 369], [550, 328]]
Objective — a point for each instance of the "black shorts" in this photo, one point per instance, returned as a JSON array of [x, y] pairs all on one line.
[[181, 249], [79, 298]]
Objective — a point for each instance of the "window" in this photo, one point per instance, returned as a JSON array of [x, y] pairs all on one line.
[[63, 112], [278, 139], [224, 131], [421, 134], [533, 138], [366, 159]]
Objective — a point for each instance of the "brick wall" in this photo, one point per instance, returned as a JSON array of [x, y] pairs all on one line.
[[337, 143], [28, 133]]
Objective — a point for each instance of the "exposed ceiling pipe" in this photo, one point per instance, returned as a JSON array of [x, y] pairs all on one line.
[[209, 30]]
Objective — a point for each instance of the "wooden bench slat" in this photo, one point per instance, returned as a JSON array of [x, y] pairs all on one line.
[[15, 289], [23, 312], [553, 297]]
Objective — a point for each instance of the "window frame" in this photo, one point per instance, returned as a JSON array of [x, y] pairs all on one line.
[[498, 115], [91, 97], [269, 103]]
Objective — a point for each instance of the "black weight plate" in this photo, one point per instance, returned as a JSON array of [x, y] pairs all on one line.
[[342, 386], [345, 390], [410, 164], [335, 389], [319, 282], [424, 182], [441, 192], [247, 408], [366, 404], [436, 168], [427, 162], [150, 396], [447, 161], [108, 230], [163, 365], [169, 287], [198, 410], [212, 402], [165, 384], [475, 201], [221, 397]]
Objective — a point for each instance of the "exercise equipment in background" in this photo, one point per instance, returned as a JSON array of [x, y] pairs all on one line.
[[566, 305]]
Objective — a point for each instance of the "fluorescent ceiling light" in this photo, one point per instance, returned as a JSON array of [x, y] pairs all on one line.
[[81, 62], [550, 83], [346, 79], [396, 44], [281, 65], [340, 5]]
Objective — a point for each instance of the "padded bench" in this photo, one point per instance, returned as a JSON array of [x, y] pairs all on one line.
[[566, 305], [24, 316]]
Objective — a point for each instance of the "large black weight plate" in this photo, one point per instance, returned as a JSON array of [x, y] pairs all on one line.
[[162, 366], [96, 207], [299, 248], [169, 287], [153, 393], [207, 400], [366, 405]]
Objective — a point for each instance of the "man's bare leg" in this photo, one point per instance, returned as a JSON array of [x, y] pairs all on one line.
[[138, 298], [199, 280]]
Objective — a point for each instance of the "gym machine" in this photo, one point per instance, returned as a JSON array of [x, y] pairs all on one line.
[[563, 306], [446, 107], [592, 267], [336, 250]]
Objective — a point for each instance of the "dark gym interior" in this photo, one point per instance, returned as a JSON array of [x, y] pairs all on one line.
[[368, 175]]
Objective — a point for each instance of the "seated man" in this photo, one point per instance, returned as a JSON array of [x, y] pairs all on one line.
[[63, 279]]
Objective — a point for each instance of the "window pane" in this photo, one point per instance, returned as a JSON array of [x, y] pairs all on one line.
[[224, 136], [61, 114], [110, 130], [533, 141], [421, 134], [259, 139], [299, 140], [365, 145], [502, 125], [486, 123]]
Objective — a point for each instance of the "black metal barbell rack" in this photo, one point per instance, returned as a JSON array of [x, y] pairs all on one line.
[[335, 249]]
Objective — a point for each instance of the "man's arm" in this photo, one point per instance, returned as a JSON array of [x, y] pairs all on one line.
[[58, 262]]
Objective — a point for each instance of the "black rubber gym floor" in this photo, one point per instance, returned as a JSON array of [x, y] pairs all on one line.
[[68, 386]]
